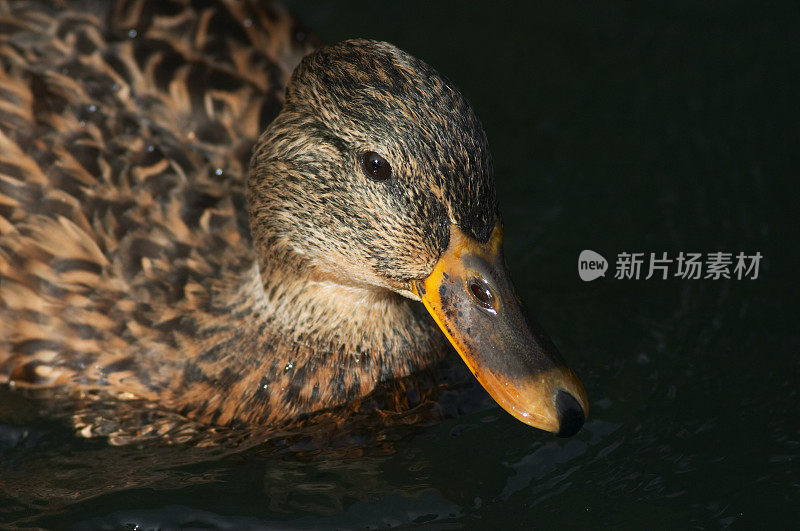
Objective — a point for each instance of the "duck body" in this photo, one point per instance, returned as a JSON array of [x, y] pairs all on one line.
[[126, 262], [145, 256]]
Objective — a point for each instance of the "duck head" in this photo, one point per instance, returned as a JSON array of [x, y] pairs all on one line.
[[377, 176]]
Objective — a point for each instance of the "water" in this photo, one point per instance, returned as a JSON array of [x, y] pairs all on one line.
[[631, 127]]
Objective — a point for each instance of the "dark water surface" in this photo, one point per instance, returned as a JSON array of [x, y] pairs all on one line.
[[626, 127]]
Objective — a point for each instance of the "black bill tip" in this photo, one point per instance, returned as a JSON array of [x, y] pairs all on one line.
[[570, 414]]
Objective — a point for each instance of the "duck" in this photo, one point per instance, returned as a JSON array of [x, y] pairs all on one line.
[[203, 208]]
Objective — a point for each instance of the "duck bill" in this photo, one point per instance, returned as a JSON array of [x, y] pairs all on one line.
[[471, 298]]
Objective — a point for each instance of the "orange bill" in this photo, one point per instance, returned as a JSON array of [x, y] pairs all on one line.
[[471, 297]]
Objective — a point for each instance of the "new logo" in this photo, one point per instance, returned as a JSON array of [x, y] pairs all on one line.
[[591, 265]]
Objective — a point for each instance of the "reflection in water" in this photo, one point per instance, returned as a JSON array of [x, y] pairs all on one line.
[[552, 457], [370, 468], [329, 464]]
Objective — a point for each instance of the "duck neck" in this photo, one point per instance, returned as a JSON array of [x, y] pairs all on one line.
[[310, 306]]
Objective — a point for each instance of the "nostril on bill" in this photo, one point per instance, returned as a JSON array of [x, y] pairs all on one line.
[[570, 414], [481, 292]]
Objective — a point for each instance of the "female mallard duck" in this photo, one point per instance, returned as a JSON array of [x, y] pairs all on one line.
[[128, 264]]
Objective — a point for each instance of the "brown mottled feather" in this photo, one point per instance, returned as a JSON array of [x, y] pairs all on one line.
[[124, 142]]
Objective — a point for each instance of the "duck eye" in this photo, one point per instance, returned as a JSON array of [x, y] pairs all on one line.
[[375, 167]]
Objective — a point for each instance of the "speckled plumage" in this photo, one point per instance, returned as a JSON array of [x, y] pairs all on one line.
[[128, 263]]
